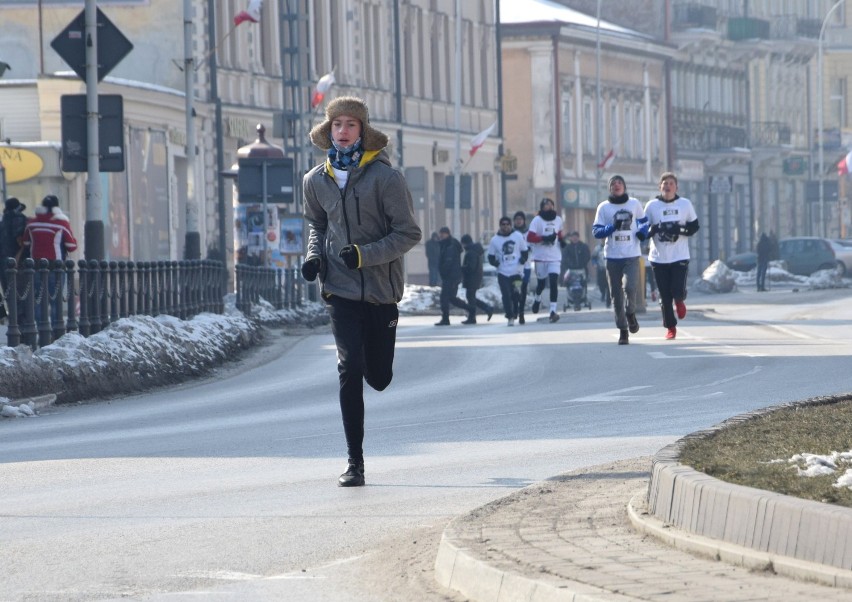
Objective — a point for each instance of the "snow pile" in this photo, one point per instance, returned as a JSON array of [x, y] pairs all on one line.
[[419, 299], [135, 353], [815, 465], [719, 278]]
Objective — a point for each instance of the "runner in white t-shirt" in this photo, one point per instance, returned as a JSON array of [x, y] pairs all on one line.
[[545, 238], [672, 219]]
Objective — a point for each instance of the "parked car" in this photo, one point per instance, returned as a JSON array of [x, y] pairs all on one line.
[[843, 252], [805, 255], [742, 262]]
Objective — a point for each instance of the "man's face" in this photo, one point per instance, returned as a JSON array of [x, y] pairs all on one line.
[[520, 222], [616, 188], [574, 238], [668, 188], [505, 227], [444, 235], [345, 130]]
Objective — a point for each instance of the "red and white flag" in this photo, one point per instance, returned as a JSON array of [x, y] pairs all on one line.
[[323, 85], [607, 160], [480, 138], [252, 13], [844, 166]]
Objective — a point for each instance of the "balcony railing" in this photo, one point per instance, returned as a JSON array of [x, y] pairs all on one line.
[[770, 133], [709, 138], [808, 28], [689, 15], [747, 28]]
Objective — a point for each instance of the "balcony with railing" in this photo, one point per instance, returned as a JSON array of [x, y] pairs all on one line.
[[692, 15], [747, 28], [791, 27], [703, 138], [770, 134]]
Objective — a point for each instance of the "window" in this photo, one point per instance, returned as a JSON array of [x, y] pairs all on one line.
[[615, 138], [655, 132], [837, 102], [588, 127], [567, 118], [639, 131], [628, 131]]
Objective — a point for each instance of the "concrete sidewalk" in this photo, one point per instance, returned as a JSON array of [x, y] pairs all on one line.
[[571, 538]]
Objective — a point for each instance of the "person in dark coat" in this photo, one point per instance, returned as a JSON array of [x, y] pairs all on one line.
[[764, 250], [12, 226], [472, 278], [433, 256], [449, 266]]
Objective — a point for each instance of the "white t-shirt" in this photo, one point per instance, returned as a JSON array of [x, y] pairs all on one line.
[[621, 244], [680, 211], [543, 227], [507, 250]]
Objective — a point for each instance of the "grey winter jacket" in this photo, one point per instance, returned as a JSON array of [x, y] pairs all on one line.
[[373, 211]]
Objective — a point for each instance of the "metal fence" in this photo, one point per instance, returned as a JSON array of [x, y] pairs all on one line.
[[283, 288], [43, 300]]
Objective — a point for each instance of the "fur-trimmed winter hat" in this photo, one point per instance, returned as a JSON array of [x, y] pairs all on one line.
[[371, 138]]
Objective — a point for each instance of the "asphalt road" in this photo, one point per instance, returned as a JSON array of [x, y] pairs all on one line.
[[226, 488]]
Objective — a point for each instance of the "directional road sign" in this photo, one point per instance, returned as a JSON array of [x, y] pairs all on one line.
[[70, 44]]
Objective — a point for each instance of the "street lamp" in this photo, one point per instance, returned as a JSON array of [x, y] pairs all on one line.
[[820, 118]]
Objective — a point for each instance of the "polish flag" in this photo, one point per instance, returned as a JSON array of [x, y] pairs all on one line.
[[323, 85], [480, 138], [844, 165], [252, 13], [607, 160]]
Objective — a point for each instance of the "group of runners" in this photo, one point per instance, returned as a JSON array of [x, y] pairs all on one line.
[[623, 224]]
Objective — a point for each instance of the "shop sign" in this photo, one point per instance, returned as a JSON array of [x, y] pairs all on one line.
[[20, 164]]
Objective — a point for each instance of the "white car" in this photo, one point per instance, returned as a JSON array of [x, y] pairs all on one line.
[[843, 252]]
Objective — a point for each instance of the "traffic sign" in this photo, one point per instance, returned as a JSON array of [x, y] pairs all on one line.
[[75, 136], [70, 44], [279, 179]]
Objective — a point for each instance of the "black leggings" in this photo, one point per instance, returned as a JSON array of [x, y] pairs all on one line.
[[365, 335], [671, 283], [553, 282]]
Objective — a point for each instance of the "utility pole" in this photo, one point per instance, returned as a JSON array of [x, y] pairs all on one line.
[[192, 243], [457, 122], [94, 227]]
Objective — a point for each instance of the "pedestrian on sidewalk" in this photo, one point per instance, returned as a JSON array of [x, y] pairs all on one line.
[[621, 223], [508, 252], [671, 220], [545, 238], [519, 222], [472, 278], [450, 269], [360, 220], [764, 249], [12, 226], [433, 257], [48, 236]]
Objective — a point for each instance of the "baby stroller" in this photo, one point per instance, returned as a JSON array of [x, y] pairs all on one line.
[[576, 285]]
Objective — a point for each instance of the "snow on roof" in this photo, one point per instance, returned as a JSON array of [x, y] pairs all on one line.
[[536, 11]]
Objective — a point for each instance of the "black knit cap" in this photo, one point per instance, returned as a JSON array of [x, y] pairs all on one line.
[[617, 178], [520, 214], [50, 201]]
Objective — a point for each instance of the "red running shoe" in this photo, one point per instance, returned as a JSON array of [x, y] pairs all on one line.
[[671, 333], [680, 306]]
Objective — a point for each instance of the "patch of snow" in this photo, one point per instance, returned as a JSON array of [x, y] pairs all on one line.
[[815, 465]]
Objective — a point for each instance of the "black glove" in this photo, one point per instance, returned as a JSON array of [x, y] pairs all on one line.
[[493, 261], [311, 268], [653, 230], [351, 256], [549, 239], [524, 256], [669, 231]]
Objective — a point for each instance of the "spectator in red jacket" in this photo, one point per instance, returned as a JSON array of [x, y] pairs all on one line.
[[48, 236]]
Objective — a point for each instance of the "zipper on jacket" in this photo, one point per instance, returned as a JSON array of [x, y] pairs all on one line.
[[346, 220], [357, 206]]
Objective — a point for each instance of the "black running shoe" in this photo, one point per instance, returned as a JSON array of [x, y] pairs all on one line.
[[554, 317], [632, 323], [624, 338], [354, 475], [536, 306]]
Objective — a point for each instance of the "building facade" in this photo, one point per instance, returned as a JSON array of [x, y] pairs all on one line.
[[398, 56], [563, 126]]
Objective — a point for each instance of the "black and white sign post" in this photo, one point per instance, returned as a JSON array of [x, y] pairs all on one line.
[[78, 46], [94, 228]]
